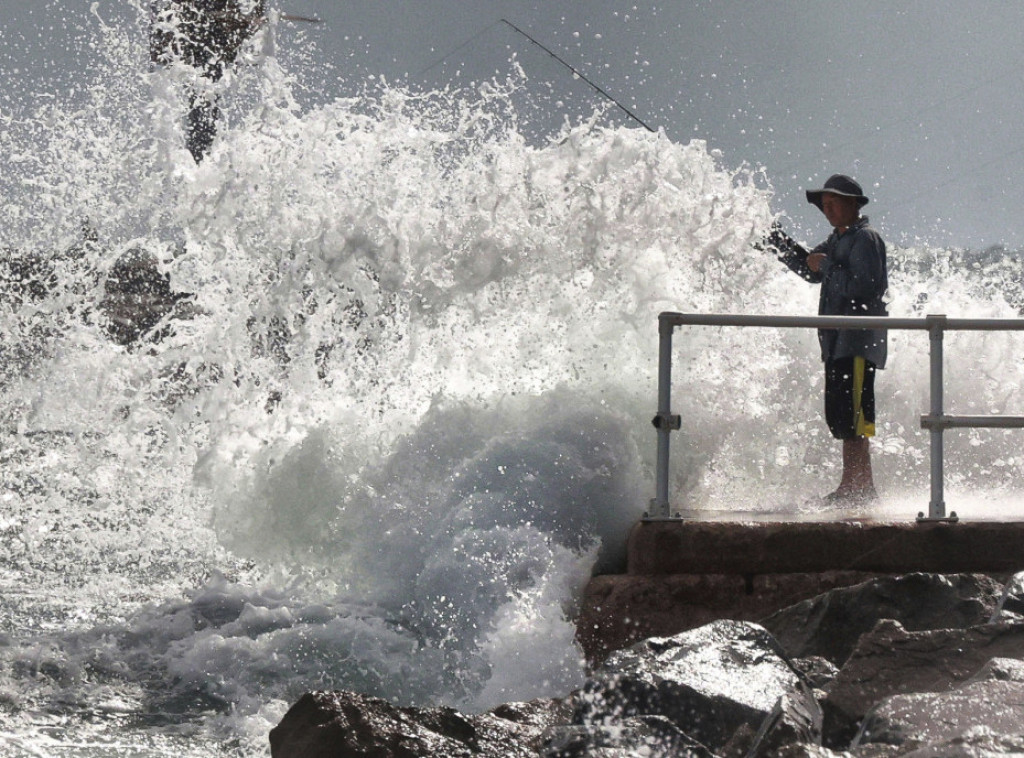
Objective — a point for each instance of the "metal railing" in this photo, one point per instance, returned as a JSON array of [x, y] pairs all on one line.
[[936, 420]]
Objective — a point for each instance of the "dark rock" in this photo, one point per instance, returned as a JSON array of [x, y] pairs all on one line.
[[830, 625], [536, 716], [26, 282], [650, 736], [540, 713], [975, 743], [890, 660], [620, 610], [818, 672], [1000, 670], [802, 750], [740, 743], [707, 681], [1011, 602], [25, 278], [347, 725], [138, 297], [796, 718], [931, 720]]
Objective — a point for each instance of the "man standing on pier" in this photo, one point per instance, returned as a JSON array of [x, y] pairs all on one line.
[[851, 268], [206, 35]]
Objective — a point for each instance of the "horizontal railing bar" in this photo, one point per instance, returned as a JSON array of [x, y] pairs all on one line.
[[968, 422], [984, 324], [841, 322], [936, 420]]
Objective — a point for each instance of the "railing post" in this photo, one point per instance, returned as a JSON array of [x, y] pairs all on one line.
[[664, 422], [936, 329]]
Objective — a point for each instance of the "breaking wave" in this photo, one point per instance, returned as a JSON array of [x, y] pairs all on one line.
[[389, 405]]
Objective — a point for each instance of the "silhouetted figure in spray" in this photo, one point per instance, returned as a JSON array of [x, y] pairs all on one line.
[[206, 35]]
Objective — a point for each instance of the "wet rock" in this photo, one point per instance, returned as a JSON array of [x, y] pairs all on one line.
[[1011, 602], [938, 721], [830, 625], [708, 682], [536, 716], [1000, 670], [802, 750], [977, 742], [890, 661], [649, 736], [138, 296], [816, 671], [347, 725], [540, 713], [26, 281], [796, 718], [24, 278]]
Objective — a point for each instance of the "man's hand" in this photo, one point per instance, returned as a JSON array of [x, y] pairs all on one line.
[[778, 242], [792, 253]]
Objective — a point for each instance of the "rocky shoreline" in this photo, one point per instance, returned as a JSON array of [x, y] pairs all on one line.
[[923, 664]]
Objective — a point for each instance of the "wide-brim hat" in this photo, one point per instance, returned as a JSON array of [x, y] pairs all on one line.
[[838, 184]]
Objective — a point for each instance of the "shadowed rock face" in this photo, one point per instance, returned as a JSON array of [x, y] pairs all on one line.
[[730, 689], [890, 661], [336, 724], [830, 625]]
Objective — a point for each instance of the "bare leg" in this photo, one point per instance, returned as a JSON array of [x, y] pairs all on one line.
[[857, 481]]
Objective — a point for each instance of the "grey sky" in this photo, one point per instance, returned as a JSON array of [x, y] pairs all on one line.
[[919, 100]]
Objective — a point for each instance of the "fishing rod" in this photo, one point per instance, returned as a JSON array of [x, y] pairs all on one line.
[[623, 108], [300, 19]]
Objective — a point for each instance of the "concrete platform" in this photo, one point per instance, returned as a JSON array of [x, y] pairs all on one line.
[[683, 574], [763, 547]]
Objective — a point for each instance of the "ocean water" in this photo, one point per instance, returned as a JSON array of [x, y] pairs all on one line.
[[404, 412]]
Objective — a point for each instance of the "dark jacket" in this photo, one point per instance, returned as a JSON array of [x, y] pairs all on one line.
[[853, 281]]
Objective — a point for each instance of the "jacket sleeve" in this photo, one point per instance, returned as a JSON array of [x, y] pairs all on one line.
[[791, 253]]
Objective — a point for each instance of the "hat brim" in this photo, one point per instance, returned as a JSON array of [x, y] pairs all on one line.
[[814, 197]]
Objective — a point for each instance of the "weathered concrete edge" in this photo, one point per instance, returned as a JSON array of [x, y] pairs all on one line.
[[753, 548]]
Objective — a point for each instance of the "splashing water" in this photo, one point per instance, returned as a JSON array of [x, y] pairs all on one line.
[[402, 414]]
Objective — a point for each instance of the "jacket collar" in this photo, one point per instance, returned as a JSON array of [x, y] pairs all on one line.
[[860, 223]]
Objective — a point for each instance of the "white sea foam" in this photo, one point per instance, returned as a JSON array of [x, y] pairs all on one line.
[[410, 412]]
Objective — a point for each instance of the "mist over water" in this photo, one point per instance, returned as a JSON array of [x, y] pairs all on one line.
[[404, 413]]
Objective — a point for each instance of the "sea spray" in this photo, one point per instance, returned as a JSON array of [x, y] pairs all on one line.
[[406, 412]]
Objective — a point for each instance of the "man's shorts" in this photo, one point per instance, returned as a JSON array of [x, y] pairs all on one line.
[[850, 398]]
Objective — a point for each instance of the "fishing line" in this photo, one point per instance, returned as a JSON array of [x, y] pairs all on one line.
[[465, 44], [575, 71], [547, 50]]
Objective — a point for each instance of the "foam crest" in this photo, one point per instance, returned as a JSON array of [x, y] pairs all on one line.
[[399, 410]]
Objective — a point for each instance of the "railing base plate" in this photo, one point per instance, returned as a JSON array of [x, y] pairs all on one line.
[[673, 517], [952, 518]]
